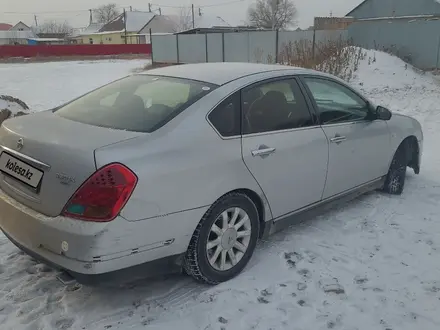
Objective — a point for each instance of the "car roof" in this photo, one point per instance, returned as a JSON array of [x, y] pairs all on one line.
[[222, 72]]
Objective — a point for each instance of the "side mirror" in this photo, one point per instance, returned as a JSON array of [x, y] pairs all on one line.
[[383, 113]]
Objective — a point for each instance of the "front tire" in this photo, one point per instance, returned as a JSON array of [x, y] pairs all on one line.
[[395, 180], [224, 240]]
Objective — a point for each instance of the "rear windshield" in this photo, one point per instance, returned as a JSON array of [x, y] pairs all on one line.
[[140, 103]]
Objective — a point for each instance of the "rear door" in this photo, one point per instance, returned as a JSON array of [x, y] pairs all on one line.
[[282, 146], [357, 145]]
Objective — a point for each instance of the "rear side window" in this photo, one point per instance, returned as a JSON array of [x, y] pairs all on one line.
[[140, 103], [226, 116]]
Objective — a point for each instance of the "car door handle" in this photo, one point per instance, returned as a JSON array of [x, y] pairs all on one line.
[[263, 152], [338, 139]]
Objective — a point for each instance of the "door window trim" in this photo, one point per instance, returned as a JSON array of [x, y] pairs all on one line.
[[315, 106], [310, 107]]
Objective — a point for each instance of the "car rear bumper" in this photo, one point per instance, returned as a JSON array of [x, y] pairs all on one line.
[[87, 248], [163, 266]]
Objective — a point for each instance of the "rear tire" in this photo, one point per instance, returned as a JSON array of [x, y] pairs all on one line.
[[224, 240], [395, 180]]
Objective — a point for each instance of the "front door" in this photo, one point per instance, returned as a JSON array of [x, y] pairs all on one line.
[[282, 146], [358, 147]]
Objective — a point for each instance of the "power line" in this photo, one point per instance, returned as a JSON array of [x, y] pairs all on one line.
[[56, 11], [221, 4], [45, 12], [224, 3]]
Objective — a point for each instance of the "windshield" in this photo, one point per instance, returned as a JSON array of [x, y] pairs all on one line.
[[140, 103]]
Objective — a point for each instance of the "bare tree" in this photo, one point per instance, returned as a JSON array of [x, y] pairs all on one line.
[[106, 13], [184, 20], [54, 27], [272, 14]]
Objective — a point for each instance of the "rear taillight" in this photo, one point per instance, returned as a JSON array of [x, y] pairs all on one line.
[[102, 196]]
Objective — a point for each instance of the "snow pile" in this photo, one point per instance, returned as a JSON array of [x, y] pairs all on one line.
[[392, 83], [12, 104], [379, 71], [373, 264], [12, 107]]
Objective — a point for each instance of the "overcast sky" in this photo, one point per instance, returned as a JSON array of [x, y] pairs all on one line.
[[234, 12]]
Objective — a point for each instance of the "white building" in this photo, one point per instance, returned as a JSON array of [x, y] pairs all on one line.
[[15, 37]]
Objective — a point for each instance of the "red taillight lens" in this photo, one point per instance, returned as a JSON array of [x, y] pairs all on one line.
[[102, 196]]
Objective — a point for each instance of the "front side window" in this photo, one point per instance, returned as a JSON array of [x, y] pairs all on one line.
[[140, 103], [273, 106], [335, 102]]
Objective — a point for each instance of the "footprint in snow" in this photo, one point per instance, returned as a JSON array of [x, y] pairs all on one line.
[[265, 293], [305, 273], [311, 256], [360, 279], [222, 320], [64, 324], [301, 286], [292, 258], [331, 285], [73, 287], [148, 321], [262, 300]]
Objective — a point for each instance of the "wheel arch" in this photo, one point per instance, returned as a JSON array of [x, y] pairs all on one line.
[[410, 146], [261, 204]]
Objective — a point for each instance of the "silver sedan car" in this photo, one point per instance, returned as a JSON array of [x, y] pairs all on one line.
[[186, 167]]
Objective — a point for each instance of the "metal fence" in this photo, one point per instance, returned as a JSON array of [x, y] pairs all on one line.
[[254, 46], [416, 40]]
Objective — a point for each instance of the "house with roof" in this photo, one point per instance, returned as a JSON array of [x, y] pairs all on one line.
[[17, 34], [177, 23], [123, 29], [134, 27], [170, 24], [81, 35], [376, 9], [20, 26]]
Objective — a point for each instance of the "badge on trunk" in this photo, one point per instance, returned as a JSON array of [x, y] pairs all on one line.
[[20, 143], [64, 178]]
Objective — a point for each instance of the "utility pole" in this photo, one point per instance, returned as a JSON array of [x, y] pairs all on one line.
[[36, 21], [149, 7], [192, 12], [125, 26], [91, 16]]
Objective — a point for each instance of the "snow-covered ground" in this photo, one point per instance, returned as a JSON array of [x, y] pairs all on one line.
[[372, 264]]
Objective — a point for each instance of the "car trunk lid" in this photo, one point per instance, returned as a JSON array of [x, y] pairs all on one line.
[[45, 158]]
